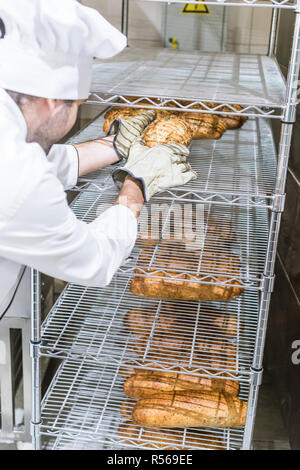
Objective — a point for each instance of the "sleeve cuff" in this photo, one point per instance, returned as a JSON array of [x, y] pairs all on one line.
[[66, 161]]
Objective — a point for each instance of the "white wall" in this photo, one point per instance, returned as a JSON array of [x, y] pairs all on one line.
[[247, 30], [145, 19]]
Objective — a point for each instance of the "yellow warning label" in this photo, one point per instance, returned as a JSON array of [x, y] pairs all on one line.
[[196, 8]]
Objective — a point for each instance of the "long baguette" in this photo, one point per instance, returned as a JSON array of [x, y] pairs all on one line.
[[148, 385], [190, 409]]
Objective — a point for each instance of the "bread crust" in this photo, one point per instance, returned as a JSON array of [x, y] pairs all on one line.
[[190, 409], [168, 263], [149, 384], [168, 130]]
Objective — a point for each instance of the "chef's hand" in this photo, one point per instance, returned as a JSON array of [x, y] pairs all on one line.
[[126, 131], [157, 168]]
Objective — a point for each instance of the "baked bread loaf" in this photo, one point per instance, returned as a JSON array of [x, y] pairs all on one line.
[[190, 409], [205, 126], [168, 130], [118, 112], [169, 440], [232, 121], [169, 262], [149, 384]]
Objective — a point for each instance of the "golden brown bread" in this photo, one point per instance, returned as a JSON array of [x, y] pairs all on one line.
[[168, 130], [125, 112], [232, 121], [190, 409], [169, 440], [169, 263], [118, 112], [149, 384], [205, 126], [201, 125]]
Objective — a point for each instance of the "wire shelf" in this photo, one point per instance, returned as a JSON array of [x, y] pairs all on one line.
[[238, 169], [183, 79], [113, 326], [81, 409], [216, 245]]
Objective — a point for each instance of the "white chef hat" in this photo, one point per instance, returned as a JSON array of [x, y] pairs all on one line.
[[47, 47]]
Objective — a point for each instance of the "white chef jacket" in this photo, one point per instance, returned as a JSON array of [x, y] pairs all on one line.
[[37, 227]]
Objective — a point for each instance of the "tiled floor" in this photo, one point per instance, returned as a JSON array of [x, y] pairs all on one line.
[[269, 430]]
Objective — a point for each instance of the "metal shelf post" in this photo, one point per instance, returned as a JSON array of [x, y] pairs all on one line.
[[34, 345], [273, 32], [125, 11], [283, 157]]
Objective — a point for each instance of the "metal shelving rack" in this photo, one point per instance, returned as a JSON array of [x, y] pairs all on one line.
[[241, 184]]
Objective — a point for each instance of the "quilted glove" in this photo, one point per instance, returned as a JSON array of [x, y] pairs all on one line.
[[158, 168], [126, 131]]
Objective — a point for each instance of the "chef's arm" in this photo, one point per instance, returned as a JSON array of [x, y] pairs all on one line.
[[96, 154], [131, 195], [45, 234], [72, 161]]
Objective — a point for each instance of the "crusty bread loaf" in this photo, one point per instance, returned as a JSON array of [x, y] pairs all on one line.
[[169, 262], [167, 439], [205, 126], [125, 112], [232, 121], [190, 409], [169, 129], [118, 112], [149, 384]]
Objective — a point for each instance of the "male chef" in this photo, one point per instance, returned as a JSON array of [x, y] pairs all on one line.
[[46, 53]]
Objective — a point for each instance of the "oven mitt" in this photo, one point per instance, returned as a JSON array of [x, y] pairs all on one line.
[[126, 131], [158, 168]]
